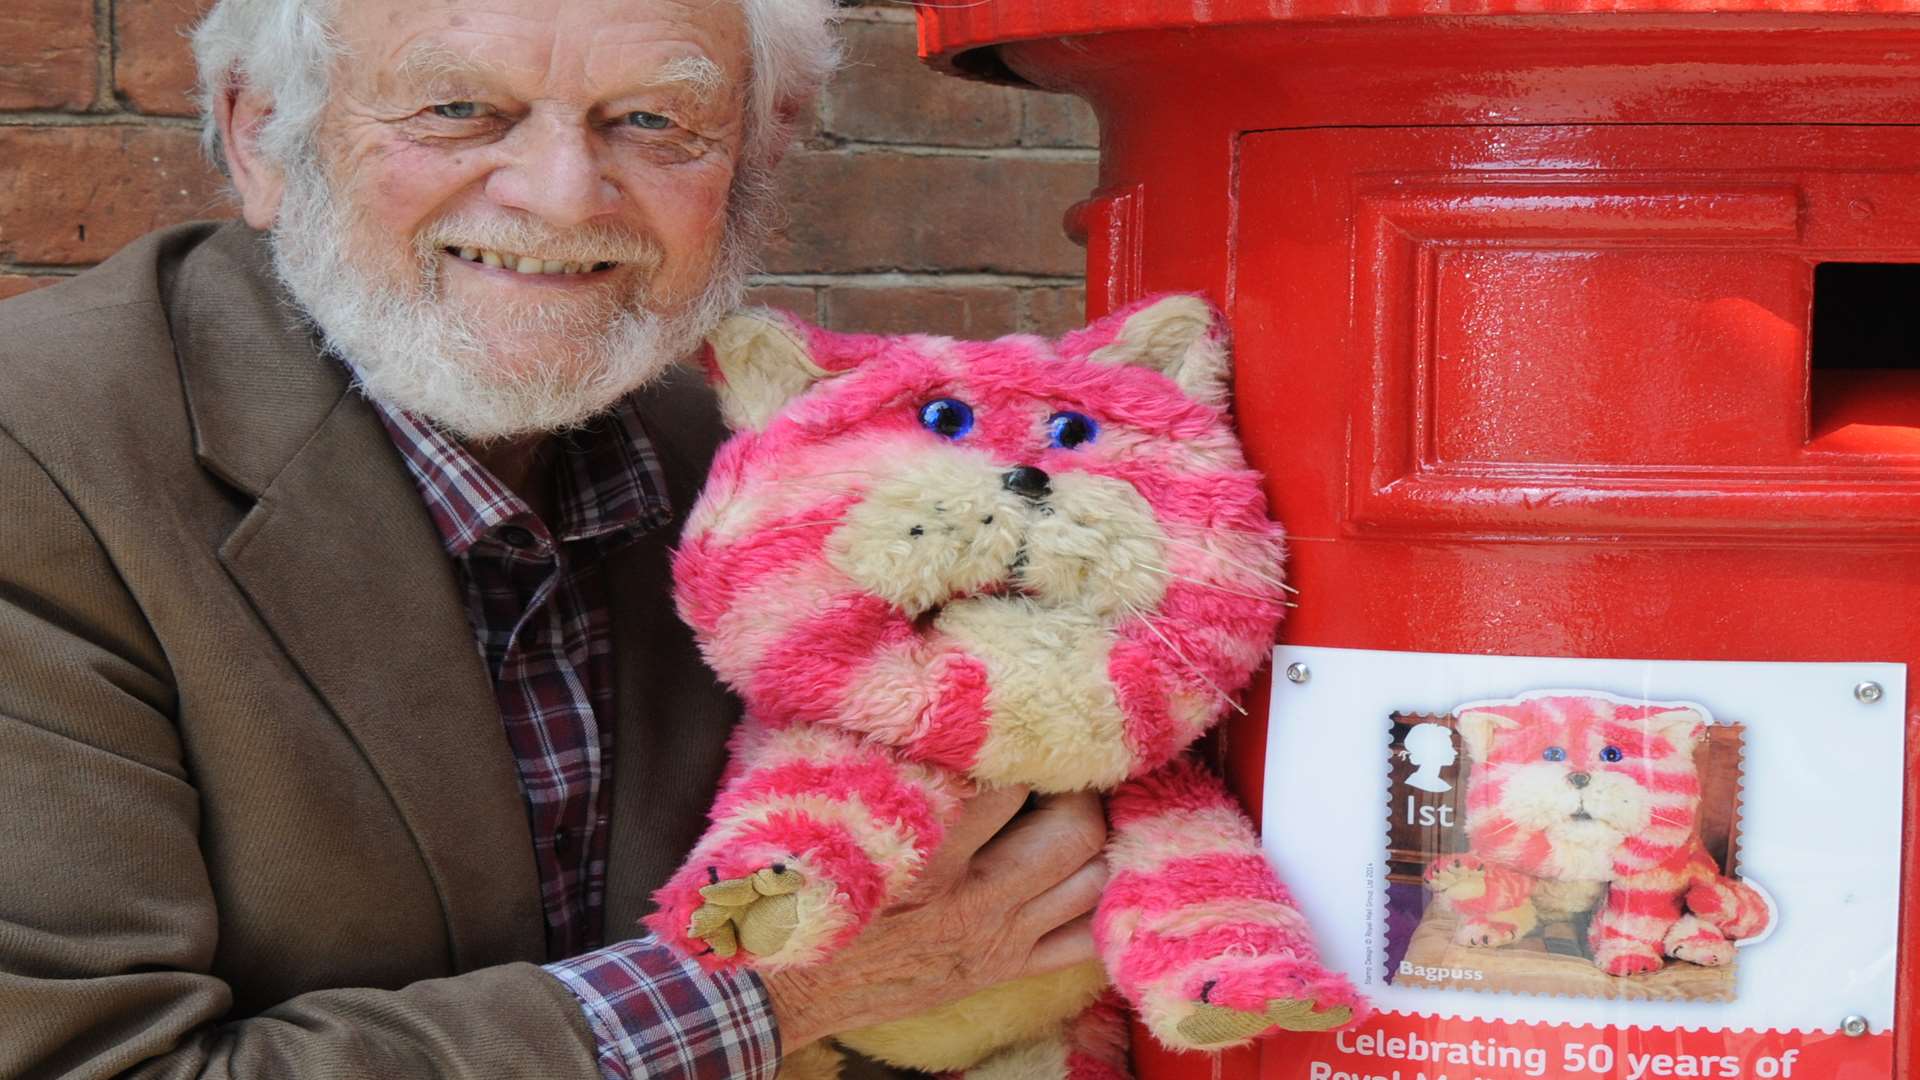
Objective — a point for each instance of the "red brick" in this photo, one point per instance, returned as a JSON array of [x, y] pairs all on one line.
[[74, 195], [884, 211], [1057, 120], [152, 65], [49, 57], [15, 284], [885, 94], [1054, 310], [962, 312], [798, 299]]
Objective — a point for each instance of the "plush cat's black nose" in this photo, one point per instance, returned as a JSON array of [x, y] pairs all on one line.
[[1578, 779], [1025, 480]]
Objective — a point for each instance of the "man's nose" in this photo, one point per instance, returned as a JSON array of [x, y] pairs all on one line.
[[558, 173]]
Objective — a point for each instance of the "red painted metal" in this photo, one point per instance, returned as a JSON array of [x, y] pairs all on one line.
[[1521, 293]]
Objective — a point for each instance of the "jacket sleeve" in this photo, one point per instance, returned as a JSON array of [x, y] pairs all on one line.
[[108, 924]]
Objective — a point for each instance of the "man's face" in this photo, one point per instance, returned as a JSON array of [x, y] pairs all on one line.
[[521, 176]]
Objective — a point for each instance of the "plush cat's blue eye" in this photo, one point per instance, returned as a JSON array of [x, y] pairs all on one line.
[[1554, 753], [947, 417], [1611, 753], [1067, 430]]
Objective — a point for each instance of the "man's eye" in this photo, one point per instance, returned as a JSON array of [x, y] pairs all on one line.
[[458, 110], [650, 121]]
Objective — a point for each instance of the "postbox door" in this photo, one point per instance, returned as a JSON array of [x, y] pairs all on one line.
[[1575, 331]]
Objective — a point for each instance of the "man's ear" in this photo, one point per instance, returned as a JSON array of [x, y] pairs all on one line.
[[761, 361], [240, 111], [1181, 337]]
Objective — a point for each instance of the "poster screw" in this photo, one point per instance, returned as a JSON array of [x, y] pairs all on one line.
[[1298, 673], [1868, 692], [1854, 1025]]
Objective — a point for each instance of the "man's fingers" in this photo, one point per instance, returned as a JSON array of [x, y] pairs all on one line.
[[1063, 947], [984, 813], [1043, 848], [1065, 902]]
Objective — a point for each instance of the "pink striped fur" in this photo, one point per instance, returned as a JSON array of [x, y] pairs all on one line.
[[910, 606]]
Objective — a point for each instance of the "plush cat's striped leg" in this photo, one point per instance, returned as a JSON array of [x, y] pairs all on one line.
[[813, 832], [1197, 932], [1494, 903], [1719, 911], [1628, 934], [1729, 905]]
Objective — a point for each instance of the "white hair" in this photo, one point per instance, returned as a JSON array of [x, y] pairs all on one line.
[[287, 48]]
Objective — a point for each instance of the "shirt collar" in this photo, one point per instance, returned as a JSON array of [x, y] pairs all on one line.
[[610, 484]]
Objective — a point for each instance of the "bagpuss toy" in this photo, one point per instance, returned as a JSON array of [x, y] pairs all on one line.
[[1578, 801], [927, 564]]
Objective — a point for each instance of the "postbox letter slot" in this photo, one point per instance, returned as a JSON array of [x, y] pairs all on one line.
[[1865, 358]]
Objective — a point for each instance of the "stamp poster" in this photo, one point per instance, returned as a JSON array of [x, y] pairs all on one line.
[[1611, 869]]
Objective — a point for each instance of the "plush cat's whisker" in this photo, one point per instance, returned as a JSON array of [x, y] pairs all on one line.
[[1175, 649], [1205, 584], [1247, 568]]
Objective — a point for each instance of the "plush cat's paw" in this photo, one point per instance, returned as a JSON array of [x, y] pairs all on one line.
[[1485, 933], [1627, 959], [1717, 952], [1459, 878], [1241, 1002], [1698, 941], [756, 914]]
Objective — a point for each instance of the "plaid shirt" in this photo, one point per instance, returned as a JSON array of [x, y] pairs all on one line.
[[535, 600]]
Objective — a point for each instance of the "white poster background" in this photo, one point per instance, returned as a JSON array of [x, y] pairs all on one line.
[[1819, 828]]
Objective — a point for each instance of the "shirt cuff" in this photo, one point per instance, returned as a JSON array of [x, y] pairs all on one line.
[[655, 1014]]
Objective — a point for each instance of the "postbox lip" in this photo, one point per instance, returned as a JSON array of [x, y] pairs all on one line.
[[966, 39]]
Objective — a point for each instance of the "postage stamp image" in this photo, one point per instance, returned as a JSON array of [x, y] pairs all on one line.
[[1568, 842]]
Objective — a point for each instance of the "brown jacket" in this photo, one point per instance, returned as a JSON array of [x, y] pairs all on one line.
[[258, 817]]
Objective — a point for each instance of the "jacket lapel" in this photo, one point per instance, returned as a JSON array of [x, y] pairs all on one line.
[[342, 563], [674, 719]]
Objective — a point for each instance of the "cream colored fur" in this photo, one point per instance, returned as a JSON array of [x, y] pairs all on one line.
[[1046, 1058], [1057, 725], [957, 1035], [1174, 337], [765, 364]]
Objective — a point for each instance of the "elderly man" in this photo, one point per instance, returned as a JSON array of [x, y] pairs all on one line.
[[346, 721]]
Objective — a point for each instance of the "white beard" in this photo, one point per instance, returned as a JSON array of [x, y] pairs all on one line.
[[413, 351]]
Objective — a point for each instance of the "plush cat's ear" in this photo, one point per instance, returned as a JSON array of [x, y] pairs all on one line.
[[1181, 337], [1680, 727], [1477, 729], [760, 360]]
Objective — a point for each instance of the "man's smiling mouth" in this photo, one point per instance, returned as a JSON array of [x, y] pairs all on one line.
[[525, 264]]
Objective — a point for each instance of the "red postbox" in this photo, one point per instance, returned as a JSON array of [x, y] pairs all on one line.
[[1565, 328]]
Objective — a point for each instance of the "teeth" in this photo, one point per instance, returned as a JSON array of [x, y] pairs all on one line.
[[526, 264]]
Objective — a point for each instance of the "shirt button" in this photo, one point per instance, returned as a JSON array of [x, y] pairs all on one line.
[[514, 536], [562, 840]]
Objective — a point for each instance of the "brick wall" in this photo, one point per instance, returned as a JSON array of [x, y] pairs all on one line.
[[918, 202]]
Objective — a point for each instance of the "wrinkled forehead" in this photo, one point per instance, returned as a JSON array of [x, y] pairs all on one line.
[[592, 49]]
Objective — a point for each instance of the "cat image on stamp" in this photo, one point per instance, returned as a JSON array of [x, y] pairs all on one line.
[[1585, 845]]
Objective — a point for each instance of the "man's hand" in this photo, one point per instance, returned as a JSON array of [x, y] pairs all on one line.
[[989, 908]]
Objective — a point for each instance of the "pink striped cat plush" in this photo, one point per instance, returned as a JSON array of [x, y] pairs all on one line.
[[927, 564], [1578, 801]]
